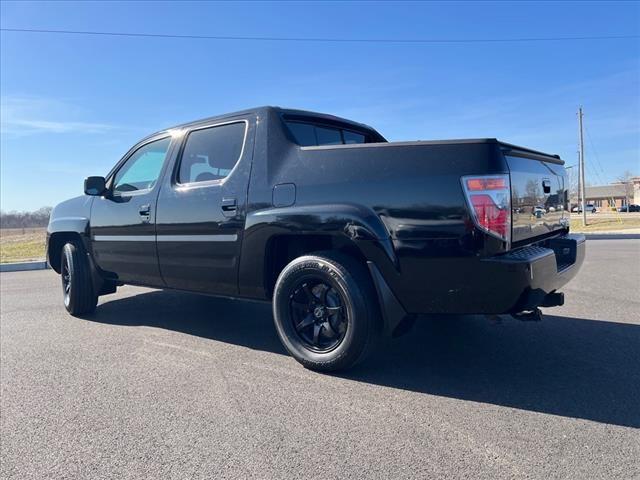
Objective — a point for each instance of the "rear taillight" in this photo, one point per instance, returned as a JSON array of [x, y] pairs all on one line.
[[489, 199]]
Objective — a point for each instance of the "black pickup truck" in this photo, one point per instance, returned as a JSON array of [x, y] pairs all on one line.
[[350, 236]]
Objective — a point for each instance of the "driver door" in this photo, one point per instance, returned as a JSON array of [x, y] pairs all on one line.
[[123, 222]]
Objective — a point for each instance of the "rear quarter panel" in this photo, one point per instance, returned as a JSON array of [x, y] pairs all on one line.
[[413, 189]]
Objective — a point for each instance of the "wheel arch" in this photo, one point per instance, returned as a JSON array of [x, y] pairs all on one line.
[[281, 249], [275, 236], [62, 230], [55, 242]]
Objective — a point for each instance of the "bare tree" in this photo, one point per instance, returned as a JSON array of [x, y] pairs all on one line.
[[572, 187], [625, 179], [38, 218]]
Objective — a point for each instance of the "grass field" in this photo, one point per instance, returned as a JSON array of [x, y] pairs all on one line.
[[603, 222], [22, 244], [25, 244]]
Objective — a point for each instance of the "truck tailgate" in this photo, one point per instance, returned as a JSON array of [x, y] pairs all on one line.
[[538, 196]]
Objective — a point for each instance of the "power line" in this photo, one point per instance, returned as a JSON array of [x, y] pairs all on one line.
[[595, 152], [325, 39], [592, 165]]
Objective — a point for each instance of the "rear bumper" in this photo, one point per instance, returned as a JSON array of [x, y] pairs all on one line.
[[518, 281], [524, 277]]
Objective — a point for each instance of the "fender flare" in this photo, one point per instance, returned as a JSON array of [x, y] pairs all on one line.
[[354, 223], [79, 225], [65, 226]]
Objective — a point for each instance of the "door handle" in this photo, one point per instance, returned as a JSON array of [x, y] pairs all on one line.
[[145, 212], [229, 204]]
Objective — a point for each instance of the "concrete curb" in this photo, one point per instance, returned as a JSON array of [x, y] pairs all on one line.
[[23, 266], [612, 236]]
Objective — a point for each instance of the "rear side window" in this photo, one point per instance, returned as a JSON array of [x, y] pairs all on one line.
[[309, 134], [211, 153]]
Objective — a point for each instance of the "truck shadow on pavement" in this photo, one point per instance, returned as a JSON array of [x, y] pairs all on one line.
[[563, 366]]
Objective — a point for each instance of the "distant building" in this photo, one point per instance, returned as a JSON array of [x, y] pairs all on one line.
[[613, 195]]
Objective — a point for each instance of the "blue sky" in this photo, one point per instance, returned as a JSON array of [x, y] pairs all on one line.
[[72, 105]]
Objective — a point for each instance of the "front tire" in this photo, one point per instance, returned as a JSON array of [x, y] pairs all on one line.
[[77, 286], [325, 311]]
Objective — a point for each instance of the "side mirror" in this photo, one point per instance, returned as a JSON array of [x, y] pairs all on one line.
[[94, 186]]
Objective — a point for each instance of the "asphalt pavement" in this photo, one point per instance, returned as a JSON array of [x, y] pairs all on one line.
[[160, 384]]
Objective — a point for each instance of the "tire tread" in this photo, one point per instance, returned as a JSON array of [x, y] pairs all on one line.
[[358, 281], [82, 297]]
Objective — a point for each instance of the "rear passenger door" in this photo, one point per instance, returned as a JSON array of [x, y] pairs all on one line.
[[202, 208]]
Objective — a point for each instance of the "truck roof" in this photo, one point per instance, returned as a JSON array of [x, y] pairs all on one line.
[[297, 114], [283, 111]]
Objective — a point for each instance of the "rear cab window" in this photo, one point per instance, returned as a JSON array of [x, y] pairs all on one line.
[[310, 134], [353, 137]]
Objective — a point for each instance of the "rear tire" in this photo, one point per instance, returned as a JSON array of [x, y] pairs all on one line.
[[77, 286], [326, 312]]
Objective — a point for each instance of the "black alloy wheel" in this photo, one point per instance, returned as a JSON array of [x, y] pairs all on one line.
[[325, 311], [65, 275], [318, 314]]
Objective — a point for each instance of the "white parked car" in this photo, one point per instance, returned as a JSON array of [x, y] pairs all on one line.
[[589, 207]]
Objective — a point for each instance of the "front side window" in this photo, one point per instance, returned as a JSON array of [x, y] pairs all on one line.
[[211, 153], [142, 168]]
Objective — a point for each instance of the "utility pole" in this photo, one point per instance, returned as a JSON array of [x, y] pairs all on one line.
[[582, 199], [572, 186]]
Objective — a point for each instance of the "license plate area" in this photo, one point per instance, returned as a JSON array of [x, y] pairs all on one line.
[[565, 249]]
